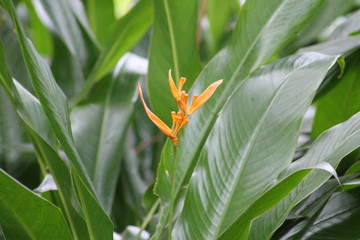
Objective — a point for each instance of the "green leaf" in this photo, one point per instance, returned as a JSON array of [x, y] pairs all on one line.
[[62, 17], [219, 14], [341, 41], [251, 46], [11, 133], [348, 27], [240, 228], [12, 138], [326, 14], [54, 104], [39, 131], [260, 115], [39, 33], [15, 62], [333, 216], [110, 106], [173, 46], [101, 15], [17, 205], [342, 101], [330, 147], [67, 69], [122, 36], [343, 46]]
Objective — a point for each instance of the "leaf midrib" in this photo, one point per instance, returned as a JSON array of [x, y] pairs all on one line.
[[105, 109], [172, 40]]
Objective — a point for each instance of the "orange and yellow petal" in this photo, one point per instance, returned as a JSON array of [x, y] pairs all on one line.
[[155, 119], [200, 100], [173, 88]]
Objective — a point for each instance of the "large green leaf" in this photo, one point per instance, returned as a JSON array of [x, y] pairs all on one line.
[[74, 44], [173, 46], [101, 15], [15, 62], [325, 215], [265, 113], [54, 104], [72, 79], [40, 35], [44, 141], [342, 40], [11, 139], [330, 147], [327, 13], [343, 46], [348, 27], [251, 46], [18, 205], [110, 106], [338, 219], [342, 101], [219, 14], [61, 17], [11, 132], [61, 174], [307, 212], [122, 36]]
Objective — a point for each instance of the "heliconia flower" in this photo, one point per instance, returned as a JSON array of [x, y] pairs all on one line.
[[180, 118]]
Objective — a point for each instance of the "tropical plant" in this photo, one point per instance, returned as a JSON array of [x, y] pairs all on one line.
[[272, 151]]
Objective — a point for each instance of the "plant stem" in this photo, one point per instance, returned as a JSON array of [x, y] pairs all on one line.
[[148, 218], [172, 199]]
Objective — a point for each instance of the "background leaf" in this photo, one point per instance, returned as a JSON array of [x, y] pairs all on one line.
[[219, 14], [331, 147], [325, 15], [54, 104], [100, 126], [122, 36], [44, 141], [17, 207], [325, 214], [342, 101], [101, 16]]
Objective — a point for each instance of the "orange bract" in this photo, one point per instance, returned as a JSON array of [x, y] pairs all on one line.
[[180, 118]]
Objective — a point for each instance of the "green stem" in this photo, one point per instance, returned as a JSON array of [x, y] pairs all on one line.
[[172, 199], [148, 218]]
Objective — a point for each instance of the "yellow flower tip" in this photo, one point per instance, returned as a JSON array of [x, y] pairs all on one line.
[[155, 119], [181, 83], [173, 88], [198, 101]]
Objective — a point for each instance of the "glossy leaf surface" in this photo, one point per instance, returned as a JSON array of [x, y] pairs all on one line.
[[331, 147], [17, 205], [259, 115], [54, 105], [100, 126]]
